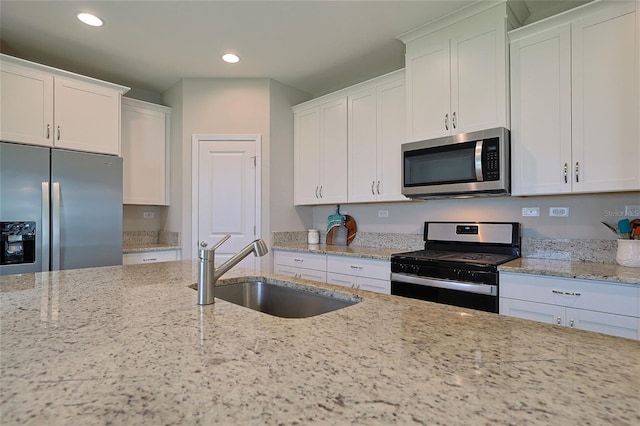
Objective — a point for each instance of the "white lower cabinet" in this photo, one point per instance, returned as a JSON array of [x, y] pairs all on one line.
[[365, 274], [347, 271], [309, 266], [150, 257], [603, 307]]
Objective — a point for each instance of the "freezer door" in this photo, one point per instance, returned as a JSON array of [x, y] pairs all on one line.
[[86, 198], [24, 196]]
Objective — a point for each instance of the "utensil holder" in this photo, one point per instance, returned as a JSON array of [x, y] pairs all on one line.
[[628, 253]]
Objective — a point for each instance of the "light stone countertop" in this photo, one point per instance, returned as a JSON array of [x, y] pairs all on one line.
[[560, 268], [567, 269], [380, 253], [129, 345], [145, 248]]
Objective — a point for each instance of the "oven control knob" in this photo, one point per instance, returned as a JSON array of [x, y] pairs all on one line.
[[474, 275], [414, 269]]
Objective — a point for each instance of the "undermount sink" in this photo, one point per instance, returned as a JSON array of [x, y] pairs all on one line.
[[281, 299]]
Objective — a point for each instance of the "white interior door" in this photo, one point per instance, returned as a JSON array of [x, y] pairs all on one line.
[[226, 197]]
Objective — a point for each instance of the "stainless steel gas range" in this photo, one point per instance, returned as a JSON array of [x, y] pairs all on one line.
[[459, 264]]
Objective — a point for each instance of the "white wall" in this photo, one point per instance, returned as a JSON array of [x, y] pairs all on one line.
[[585, 214], [283, 216]]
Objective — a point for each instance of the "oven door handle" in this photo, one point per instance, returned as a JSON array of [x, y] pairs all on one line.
[[488, 289]]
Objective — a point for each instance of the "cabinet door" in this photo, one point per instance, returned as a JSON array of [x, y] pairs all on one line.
[[363, 143], [307, 157], [541, 113], [26, 106], [605, 100], [614, 325], [478, 78], [144, 155], [333, 157], [391, 135], [372, 284], [342, 280], [534, 311], [428, 88], [87, 117]]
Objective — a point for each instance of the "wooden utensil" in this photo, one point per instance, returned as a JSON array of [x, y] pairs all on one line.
[[352, 227]]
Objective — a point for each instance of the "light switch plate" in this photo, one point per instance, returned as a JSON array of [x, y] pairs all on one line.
[[149, 215]]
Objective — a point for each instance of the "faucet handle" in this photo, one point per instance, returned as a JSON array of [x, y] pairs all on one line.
[[219, 243]]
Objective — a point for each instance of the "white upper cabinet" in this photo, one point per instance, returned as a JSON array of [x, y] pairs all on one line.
[[376, 123], [457, 76], [145, 152], [50, 107], [87, 117], [26, 109], [320, 152], [575, 102]]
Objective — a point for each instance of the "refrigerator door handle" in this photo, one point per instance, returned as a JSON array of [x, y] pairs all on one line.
[[55, 225], [46, 207]]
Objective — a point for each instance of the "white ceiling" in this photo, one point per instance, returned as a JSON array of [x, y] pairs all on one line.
[[315, 46]]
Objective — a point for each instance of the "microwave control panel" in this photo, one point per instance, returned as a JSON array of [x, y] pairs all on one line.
[[490, 160]]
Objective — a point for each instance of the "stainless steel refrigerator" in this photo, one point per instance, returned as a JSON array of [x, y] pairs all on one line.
[[58, 209]]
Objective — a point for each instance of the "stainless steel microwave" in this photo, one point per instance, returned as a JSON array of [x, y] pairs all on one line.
[[464, 165]]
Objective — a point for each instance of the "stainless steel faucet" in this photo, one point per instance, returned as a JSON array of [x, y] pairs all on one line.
[[207, 272]]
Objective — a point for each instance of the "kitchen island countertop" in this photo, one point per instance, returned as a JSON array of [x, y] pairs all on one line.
[[129, 345]]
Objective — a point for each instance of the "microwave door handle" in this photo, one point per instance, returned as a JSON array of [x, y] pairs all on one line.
[[478, 161]]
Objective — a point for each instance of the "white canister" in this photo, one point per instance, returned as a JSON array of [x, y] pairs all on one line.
[[313, 236], [628, 253]]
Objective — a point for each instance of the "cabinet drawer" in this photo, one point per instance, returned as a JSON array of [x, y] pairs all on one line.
[[150, 257], [573, 293], [370, 268], [307, 274], [301, 260], [362, 283]]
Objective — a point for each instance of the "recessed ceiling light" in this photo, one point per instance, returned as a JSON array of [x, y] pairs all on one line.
[[90, 19], [230, 58]]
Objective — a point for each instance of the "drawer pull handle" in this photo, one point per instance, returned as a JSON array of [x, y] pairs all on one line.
[[149, 259], [356, 267], [298, 260], [558, 320], [566, 293], [571, 323]]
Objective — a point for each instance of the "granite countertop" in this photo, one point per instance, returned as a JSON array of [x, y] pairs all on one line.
[[144, 248], [129, 345], [568, 269], [380, 253], [560, 268]]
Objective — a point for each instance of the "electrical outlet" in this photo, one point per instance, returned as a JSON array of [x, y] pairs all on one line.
[[149, 215], [633, 210], [559, 211], [530, 211], [383, 213]]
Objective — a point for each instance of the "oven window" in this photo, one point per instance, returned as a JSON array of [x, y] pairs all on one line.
[[440, 165]]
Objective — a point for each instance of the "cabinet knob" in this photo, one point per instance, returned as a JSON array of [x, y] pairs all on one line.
[[558, 320], [571, 323]]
